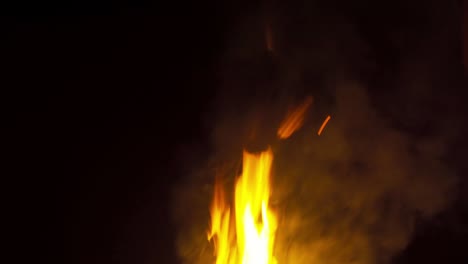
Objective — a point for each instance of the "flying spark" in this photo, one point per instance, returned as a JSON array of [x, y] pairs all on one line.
[[323, 125]]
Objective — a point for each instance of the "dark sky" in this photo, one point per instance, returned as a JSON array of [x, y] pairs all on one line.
[[103, 96]]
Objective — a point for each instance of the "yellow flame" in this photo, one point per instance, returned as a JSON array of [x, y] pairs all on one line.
[[250, 239]]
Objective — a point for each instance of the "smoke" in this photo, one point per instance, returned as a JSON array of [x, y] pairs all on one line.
[[352, 195]]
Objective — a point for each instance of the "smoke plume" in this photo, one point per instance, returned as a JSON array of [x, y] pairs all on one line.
[[352, 195]]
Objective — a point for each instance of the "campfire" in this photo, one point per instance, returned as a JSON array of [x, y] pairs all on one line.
[[321, 189], [306, 191], [244, 232]]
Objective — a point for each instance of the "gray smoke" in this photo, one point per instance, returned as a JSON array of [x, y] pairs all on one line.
[[353, 194]]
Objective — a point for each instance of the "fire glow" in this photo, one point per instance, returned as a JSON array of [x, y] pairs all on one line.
[[247, 235]]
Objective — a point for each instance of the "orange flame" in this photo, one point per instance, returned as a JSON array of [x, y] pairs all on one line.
[[220, 217], [323, 125], [251, 239], [294, 120]]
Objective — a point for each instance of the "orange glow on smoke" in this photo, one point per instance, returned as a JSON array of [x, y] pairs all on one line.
[[294, 120], [323, 125]]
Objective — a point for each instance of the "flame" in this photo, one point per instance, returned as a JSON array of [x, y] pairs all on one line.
[[220, 217], [323, 125], [250, 239], [248, 236], [294, 120]]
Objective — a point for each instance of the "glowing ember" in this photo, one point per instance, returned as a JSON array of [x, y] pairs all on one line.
[[323, 125], [294, 120], [251, 240]]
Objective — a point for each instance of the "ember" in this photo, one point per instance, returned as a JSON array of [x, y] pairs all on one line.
[[323, 125]]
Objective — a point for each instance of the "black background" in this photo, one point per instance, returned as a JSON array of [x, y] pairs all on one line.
[[103, 94]]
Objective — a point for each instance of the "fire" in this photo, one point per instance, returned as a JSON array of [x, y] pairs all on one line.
[[246, 235], [251, 238], [255, 222], [220, 219]]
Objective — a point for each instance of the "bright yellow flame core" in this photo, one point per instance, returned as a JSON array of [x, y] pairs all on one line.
[[251, 239]]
